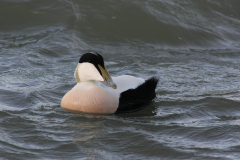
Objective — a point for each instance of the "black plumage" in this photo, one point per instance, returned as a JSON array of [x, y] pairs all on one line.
[[136, 99]]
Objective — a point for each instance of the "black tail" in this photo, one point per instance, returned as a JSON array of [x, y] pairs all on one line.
[[136, 99]]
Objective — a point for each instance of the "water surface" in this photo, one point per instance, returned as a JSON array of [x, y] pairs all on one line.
[[193, 47]]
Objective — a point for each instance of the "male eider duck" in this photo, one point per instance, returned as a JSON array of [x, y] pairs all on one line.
[[120, 94]]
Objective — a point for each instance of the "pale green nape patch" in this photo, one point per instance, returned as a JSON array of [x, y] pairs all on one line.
[[76, 74]]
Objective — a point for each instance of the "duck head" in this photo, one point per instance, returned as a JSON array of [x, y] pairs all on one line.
[[91, 68]]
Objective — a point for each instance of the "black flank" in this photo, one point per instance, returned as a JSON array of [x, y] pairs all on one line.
[[136, 99]]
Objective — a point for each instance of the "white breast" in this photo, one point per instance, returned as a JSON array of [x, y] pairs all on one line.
[[90, 98]]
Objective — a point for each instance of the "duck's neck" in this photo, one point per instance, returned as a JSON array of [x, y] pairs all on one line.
[[76, 74], [87, 72], [87, 84]]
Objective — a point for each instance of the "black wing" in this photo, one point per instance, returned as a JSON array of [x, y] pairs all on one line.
[[136, 99]]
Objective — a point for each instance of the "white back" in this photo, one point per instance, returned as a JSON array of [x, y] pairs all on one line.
[[124, 83]]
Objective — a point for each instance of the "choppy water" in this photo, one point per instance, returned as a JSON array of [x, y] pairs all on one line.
[[192, 46]]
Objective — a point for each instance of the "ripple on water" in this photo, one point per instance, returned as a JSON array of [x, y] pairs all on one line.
[[192, 47]]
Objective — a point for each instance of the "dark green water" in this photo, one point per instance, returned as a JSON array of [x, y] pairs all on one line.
[[192, 46]]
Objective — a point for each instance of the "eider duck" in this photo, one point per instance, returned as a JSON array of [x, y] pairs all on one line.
[[120, 94]]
